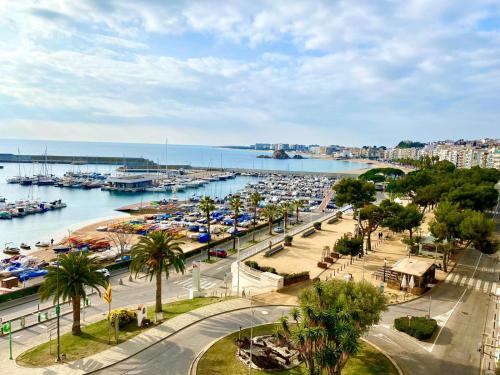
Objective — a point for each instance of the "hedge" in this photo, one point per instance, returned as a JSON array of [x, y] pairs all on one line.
[[254, 265], [292, 278], [19, 293], [418, 326]]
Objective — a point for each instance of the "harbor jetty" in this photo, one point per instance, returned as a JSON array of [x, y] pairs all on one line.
[[76, 160]]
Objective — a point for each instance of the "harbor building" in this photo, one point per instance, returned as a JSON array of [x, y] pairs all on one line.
[[129, 183]]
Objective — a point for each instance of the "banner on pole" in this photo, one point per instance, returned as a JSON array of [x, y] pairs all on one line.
[[108, 297]]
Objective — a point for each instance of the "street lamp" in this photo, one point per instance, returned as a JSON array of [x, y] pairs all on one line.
[[385, 267], [58, 310], [238, 262], [263, 312]]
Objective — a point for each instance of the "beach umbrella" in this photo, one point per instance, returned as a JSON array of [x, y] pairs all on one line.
[[412, 282], [403, 282]]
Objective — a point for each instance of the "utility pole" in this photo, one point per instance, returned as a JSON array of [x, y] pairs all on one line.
[[58, 311]]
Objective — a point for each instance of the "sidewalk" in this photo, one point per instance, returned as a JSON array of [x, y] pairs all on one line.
[[125, 349]]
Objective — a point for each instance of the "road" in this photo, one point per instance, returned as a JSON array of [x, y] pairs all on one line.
[[134, 292], [179, 350], [459, 305]]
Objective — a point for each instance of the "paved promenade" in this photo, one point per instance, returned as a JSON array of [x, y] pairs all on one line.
[[123, 350]]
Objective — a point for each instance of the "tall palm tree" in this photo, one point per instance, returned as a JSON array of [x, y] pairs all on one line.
[[270, 213], [255, 199], [236, 205], [285, 207], [207, 206], [297, 205], [68, 281], [157, 252]]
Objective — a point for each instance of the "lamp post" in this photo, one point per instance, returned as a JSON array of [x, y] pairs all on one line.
[[385, 267], [58, 310], [238, 262], [263, 312]]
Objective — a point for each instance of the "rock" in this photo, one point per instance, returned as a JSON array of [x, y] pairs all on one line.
[[280, 154], [297, 156], [263, 157]]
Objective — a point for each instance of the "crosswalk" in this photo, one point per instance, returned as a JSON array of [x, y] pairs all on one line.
[[205, 283], [471, 283]]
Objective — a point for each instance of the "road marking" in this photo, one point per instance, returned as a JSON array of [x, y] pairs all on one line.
[[478, 284], [16, 337], [42, 326], [463, 280], [456, 276], [471, 282], [454, 307], [493, 288], [486, 285], [219, 268]]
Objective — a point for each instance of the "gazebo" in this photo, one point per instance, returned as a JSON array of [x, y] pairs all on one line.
[[414, 274]]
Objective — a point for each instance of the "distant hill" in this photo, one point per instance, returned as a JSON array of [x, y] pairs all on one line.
[[410, 144]]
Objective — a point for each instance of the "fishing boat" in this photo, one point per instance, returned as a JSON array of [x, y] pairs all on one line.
[[25, 246], [11, 250], [42, 244]]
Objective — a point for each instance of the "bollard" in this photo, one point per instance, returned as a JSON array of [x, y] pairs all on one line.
[[120, 282], [46, 315], [23, 322], [39, 317], [130, 278]]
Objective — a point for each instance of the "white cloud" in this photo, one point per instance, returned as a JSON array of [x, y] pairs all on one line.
[[272, 67]]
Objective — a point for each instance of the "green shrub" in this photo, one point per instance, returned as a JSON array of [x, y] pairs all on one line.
[[125, 316], [288, 239], [317, 225], [254, 265], [418, 326], [292, 278]]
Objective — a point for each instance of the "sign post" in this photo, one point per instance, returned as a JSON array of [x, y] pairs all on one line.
[[7, 328], [108, 297]]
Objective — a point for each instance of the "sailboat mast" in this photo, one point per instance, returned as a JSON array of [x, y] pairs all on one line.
[[166, 156]]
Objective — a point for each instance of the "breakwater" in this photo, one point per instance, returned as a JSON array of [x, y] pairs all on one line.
[[77, 160]]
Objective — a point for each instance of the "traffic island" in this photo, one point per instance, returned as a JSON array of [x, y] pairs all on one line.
[[221, 358]]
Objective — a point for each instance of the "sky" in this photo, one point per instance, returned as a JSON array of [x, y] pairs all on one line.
[[351, 72]]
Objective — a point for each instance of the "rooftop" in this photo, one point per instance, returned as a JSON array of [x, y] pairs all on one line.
[[411, 266]]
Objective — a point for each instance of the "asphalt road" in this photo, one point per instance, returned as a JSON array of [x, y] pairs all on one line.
[[174, 355], [135, 292], [461, 311]]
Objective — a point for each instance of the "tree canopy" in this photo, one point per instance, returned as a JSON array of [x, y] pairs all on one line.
[[331, 318]]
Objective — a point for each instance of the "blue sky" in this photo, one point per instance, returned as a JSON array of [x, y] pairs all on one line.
[[239, 72]]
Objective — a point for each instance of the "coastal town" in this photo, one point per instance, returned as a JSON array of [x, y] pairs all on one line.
[[249, 188], [262, 245]]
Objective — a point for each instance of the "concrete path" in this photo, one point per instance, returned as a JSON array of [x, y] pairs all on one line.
[[126, 349]]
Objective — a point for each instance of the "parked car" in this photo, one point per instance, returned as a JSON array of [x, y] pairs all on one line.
[[105, 272], [278, 230], [220, 253]]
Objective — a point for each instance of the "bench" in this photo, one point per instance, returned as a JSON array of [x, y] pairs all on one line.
[[308, 232], [274, 250], [333, 220]]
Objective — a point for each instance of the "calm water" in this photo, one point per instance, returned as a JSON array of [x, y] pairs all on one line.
[[85, 206], [199, 156]]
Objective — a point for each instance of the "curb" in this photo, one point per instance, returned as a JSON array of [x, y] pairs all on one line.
[[193, 368], [387, 355], [173, 333]]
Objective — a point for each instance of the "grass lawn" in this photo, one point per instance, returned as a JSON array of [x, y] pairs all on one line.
[[220, 359], [94, 337]]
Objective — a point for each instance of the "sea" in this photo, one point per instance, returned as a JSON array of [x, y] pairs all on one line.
[[87, 206]]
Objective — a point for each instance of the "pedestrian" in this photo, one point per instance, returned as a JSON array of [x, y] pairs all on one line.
[[270, 244], [51, 242]]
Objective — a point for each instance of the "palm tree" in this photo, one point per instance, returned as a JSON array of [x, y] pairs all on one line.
[[157, 252], [285, 208], [297, 205], [255, 199], [236, 205], [68, 281], [270, 212], [207, 206]]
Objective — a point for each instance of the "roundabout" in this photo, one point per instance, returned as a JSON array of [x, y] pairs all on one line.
[[221, 357]]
